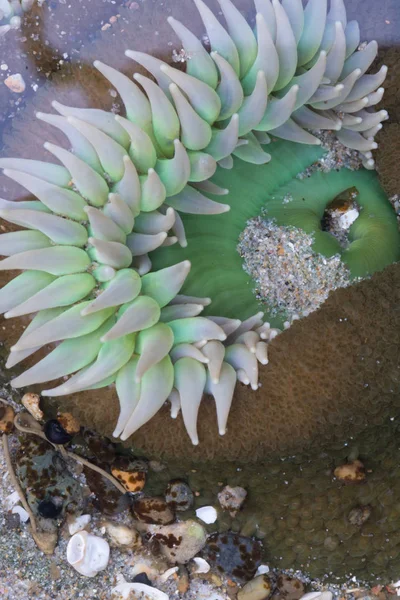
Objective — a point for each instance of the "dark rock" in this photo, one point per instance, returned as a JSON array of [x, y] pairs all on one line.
[[108, 499], [153, 510], [235, 555], [178, 495], [142, 578], [56, 433]]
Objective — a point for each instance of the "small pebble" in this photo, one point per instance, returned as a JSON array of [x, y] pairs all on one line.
[[353, 472], [232, 498], [31, 403], [153, 510], [179, 495], [133, 481], [122, 536], [142, 578], [15, 83], [359, 515], [258, 588], [6, 418]]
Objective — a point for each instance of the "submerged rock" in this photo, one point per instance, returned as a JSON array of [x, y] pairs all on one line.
[[178, 495], [235, 555], [258, 588], [232, 498], [48, 484], [122, 536], [179, 542], [153, 510]]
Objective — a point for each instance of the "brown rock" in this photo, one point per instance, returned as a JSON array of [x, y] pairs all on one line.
[[232, 498], [288, 588], [133, 481], [31, 403], [353, 472], [153, 510], [6, 418], [69, 423]]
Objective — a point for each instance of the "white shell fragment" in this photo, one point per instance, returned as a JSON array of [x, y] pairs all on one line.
[[88, 553], [317, 596], [202, 565], [123, 591], [11, 501], [207, 514], [23, 515], [78, 523]]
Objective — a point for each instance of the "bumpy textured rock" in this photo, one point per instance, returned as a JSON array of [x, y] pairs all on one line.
[[153, 510], [235, 555], [179, 542], [178, 495]]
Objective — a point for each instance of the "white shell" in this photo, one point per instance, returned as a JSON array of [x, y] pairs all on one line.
[[207, 514], [23, 515], [88, 553], [202, 565], [78, 523], [123, 590], [317, 596], [11, 501], [262, 569]]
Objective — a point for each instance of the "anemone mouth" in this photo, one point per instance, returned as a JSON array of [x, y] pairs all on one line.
[[120, 193], [217, 268]]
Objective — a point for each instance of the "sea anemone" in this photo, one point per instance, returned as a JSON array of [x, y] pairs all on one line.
[[119, 194], [10, 14]]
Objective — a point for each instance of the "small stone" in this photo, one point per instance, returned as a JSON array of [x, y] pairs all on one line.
[[353, 472], [153, 510], [178, 495], [122, 537], [133, 481], [46, 541], [78, 523], [15, 83], [142, 578], [183, 581], [31, 403], [288, 588], [235, 555], [207, 514], [69, 423], [6, 418], [232, 498], [258, 588], [359, 515], [55, 432], [130, 591], [179, 542], [55, 572]]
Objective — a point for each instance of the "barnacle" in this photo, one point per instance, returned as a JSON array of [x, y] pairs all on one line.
[[10, 13], [118, 197]]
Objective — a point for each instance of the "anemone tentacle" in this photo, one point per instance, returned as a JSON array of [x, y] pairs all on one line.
[[116, 197]]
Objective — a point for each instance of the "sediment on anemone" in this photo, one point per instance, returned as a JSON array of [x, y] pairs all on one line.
[[10, 14], [119, 195]]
